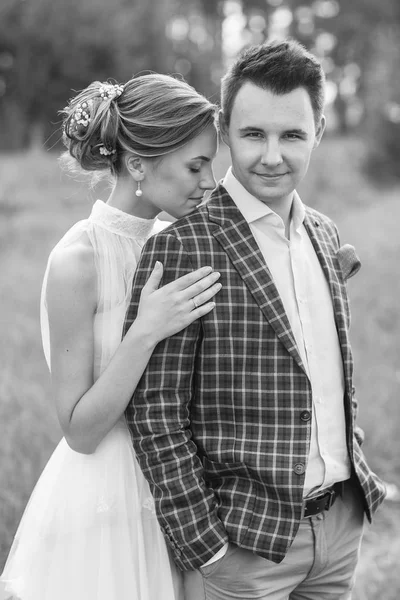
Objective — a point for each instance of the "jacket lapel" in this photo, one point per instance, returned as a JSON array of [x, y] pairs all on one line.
[[234, 235], [327, 257]]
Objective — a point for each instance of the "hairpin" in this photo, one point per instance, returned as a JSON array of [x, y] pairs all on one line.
[[110, 92], [81, 115], [105, 152]]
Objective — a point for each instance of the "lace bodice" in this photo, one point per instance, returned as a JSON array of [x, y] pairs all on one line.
[[120, 223], [117, 239]]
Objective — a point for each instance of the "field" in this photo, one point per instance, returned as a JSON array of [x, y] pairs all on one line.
[[38, 203]]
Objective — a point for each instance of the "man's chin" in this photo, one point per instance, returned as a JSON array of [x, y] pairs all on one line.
[[270, 198]]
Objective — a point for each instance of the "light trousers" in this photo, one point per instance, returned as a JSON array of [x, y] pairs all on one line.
[[319, 565]]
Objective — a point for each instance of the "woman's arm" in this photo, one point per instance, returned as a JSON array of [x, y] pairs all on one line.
[[88, 410]]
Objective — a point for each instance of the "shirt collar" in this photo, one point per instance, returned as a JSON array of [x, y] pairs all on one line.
[[252, 209], [298, 211]]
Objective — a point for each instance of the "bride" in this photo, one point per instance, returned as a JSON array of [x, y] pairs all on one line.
[[89, 531]]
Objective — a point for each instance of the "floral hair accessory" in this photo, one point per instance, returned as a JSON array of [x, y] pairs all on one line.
[[110, 92], [81, 115], [105, 152]]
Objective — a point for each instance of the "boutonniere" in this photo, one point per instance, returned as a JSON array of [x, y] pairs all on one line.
[[349, 262]]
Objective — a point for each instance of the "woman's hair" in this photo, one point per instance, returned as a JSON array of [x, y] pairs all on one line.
[[279, 66], [151, 115]]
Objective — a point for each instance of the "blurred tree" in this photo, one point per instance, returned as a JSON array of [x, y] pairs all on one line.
[[194, 28], [56, 46], [364, 61], [10, 42], [382, 105], [358, 42], [50, 47]]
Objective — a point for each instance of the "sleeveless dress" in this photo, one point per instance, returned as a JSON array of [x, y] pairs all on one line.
[[89, 531]]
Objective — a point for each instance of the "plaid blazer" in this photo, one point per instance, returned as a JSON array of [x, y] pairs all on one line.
[[216, 418]]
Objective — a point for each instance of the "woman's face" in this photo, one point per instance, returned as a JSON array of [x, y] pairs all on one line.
[[178, 181]]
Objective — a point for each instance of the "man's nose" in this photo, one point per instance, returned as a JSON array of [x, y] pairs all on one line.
[[271, 155]]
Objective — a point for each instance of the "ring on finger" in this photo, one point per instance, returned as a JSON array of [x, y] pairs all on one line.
[[194, 303]]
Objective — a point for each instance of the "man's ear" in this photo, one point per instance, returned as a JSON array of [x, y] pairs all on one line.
[[134, 166], [320, 131], [223, 128]]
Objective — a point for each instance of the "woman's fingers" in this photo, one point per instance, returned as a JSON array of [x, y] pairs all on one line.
[[205, 296], [153, 282], [201, 286], [184, 282], [193, 284], [201, 311]]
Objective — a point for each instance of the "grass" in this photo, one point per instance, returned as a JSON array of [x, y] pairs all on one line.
[[38, 204]]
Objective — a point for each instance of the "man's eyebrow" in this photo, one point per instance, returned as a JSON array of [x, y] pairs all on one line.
[[296, 130], [250, 128]]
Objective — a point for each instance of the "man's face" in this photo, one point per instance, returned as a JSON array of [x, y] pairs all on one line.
[[271, 138]]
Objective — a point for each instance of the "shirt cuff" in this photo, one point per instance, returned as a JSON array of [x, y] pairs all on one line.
[[221, 552]]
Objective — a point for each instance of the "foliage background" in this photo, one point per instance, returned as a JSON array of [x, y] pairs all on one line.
[[50, 47]]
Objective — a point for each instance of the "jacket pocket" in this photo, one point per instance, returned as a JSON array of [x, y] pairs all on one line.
[[234, 490]]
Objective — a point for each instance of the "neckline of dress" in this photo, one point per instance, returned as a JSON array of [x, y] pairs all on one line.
[[119, 222]]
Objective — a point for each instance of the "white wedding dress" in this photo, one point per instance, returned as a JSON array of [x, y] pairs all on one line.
[[89, 531]]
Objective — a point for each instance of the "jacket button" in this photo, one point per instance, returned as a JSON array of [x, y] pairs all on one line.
[[305, 415], [299, 468]]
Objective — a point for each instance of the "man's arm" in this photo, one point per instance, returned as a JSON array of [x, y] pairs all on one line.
[[159, 419]]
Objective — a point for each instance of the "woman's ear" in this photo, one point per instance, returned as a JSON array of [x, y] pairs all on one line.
[[134, 166]]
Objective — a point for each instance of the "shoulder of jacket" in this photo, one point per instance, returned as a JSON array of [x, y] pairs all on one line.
[[320, 217]]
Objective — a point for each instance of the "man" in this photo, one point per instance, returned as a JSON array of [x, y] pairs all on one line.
[[244, 422]]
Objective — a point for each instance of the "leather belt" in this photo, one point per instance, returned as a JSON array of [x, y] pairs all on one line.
[[324, 501]]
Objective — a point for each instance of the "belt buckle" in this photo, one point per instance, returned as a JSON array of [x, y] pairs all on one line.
[[331, 498]]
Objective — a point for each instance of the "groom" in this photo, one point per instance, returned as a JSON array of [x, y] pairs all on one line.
[[243, 423]]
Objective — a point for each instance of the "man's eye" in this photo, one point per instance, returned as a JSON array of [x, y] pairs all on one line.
[[193, 170]]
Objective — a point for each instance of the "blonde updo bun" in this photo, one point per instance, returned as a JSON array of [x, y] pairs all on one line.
[[151, 115], [97, 128]]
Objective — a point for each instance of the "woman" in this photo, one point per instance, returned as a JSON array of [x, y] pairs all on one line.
[[89, 531]]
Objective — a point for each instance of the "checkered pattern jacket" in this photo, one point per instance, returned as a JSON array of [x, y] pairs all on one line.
[[215, 419]]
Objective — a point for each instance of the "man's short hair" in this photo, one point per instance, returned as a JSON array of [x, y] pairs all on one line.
[[279, 66]]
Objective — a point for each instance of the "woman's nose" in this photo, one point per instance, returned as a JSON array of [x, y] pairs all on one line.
[[208, 182]]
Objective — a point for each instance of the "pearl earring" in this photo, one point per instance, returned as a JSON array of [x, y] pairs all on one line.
[[138, 191]]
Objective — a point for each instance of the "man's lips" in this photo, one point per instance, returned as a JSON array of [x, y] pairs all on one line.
[[271, 175]]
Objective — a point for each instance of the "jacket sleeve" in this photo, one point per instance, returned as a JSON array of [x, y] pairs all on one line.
[[158, 417]]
